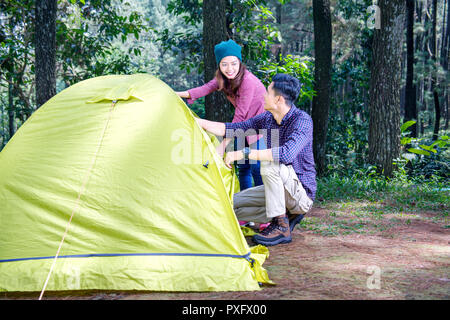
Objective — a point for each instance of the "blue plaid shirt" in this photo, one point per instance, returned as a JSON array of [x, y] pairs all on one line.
[[291, 142]]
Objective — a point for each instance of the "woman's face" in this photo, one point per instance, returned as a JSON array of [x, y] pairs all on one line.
[[229, 66]]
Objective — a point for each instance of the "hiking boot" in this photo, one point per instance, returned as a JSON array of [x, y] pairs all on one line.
[[277, 232], [294, 219]]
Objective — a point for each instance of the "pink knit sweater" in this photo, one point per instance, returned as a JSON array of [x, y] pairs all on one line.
[[248, 103]]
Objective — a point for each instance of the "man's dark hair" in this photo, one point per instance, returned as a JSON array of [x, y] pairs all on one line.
[[287, 86]]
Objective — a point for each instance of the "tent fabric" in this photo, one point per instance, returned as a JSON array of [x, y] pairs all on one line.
[[155, 211]]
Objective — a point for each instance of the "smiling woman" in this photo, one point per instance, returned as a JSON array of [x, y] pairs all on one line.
[[230, 75], [246, 93], [230, 66]]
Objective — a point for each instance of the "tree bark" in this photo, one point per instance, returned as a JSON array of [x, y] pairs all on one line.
[[410, 90], [322, 78], [426, 54], [278, 17], [446, 40], [385, 82], [434, 80], [45, 65], [8, 68], [217, 107], [443, 31], [420, 81], [445, 58], [11, 111]]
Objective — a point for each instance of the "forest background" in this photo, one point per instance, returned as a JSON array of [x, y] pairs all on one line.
[[363, 79]]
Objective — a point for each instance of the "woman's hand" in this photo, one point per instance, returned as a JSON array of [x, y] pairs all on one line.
[[183, 94]]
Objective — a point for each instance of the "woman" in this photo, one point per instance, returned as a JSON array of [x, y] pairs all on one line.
[[245, 92]]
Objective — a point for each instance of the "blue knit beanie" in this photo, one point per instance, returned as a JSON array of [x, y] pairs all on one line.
[[227, 48]]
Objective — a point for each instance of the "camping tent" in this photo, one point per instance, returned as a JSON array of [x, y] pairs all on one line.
[[112, 185]]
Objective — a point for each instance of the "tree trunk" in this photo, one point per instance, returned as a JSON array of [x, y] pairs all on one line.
[[434, 80], [420, 81], [447, 97], [443, 32], [3, 129], [410, 90], [214, 31], [385, 82], [426, 54], [322, 79], [280, 47], [446, 51], [445, 58], [45, 64], [9, 67], [11, 111]]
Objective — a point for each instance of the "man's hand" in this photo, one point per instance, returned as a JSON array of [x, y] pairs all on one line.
[[222, 146], [232, 157], [220, 150], [216, 128]]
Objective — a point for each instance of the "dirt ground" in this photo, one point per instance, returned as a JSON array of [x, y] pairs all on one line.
[[404, 256]]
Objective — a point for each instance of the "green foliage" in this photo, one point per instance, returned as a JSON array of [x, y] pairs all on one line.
[[442, 142], [254, 27], [249, 22], [369, 203], [347, 139], [164, 37], [189, 10], [85, 34], [424, 158], [347, 136], [299, 67], [347, 144], [199, 107], [186, 43], [367, 185], [16, 70]]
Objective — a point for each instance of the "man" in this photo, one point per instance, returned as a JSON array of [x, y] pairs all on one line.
[[287, 166]]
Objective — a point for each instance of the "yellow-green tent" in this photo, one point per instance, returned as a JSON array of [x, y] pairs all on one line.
[[112, 185]]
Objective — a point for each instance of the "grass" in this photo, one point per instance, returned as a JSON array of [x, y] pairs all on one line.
[[368, 205]]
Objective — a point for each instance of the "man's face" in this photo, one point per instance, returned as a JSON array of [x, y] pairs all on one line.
[[270, 99]]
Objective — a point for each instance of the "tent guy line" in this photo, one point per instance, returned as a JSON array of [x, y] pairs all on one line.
[[83, 188]]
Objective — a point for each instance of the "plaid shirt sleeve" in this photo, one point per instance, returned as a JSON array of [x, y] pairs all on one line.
[[255, 123], [295, 142]]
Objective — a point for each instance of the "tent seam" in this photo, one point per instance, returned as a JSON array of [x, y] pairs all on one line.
[[105, 255]]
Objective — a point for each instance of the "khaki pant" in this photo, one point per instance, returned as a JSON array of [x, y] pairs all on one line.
[[281, 190]]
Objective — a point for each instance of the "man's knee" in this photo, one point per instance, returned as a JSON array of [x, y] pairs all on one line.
[[270, 168], [249, 197], [276, 170]]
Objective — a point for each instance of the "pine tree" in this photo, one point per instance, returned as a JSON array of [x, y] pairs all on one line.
[[385, 82]]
